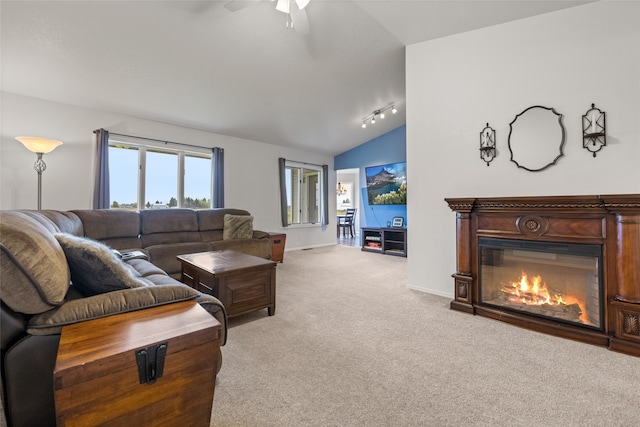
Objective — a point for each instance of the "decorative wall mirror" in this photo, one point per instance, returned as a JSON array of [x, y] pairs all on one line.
[[536, 138]]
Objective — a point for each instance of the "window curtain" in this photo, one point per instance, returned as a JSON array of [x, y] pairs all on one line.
[[218, 178], [283, 192], [101, 194], [325, 195]]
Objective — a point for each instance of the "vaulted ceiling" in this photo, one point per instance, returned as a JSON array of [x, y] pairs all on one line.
[[239, 73]]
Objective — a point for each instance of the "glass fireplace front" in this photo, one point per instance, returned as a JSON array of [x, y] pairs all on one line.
[[551, 280]]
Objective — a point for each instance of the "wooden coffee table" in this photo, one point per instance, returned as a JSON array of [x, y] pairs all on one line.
[[242, 282]]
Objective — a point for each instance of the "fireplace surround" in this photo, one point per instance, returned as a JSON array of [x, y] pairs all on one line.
[[563, 265]]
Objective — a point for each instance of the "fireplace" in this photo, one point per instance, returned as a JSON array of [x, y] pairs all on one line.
[[564, 265], [557, 281]]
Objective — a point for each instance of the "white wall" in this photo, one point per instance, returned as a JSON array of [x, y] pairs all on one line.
[[455, 85], [251, 168]]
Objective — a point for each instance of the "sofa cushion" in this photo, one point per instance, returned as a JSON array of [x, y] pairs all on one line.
[[144, 267], [104, 305], [118, 228], [33, 269], [165, 256], [237, 227], [168, 220], [66, 221], [166, 226], [95, 268], [37, 216], [213, 219]]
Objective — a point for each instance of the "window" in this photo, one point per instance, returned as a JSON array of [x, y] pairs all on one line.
[[197, 174], [161, 179], [304, 193], [149, 177], [123, 177]]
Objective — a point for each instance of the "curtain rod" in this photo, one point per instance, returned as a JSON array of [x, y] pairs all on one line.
[[304, 163], [157, 140]]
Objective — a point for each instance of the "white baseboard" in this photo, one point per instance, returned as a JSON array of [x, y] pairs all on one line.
[[310, 247], [431, 291]]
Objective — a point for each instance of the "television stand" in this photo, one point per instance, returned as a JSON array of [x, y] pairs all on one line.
[[387, 241]]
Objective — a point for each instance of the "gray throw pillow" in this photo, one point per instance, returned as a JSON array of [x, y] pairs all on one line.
[[237, 227], [95, 268]]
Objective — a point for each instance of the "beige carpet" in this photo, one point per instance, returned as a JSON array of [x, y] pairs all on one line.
[[350, 345]]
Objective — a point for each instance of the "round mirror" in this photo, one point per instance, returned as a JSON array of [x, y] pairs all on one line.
[[536, 138]]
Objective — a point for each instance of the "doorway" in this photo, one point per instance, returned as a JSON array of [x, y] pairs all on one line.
[[348, 197]]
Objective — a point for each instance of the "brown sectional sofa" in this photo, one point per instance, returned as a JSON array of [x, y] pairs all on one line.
[[166, 233], [38, 298]]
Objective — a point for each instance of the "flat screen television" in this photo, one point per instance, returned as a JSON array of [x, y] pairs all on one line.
[[387, 184]]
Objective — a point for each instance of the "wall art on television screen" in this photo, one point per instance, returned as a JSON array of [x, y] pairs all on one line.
[[387, 184]]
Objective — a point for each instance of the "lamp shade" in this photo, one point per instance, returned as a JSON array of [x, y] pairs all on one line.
[[39, 145]]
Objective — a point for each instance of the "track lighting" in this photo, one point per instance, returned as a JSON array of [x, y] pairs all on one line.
[[378, 113]]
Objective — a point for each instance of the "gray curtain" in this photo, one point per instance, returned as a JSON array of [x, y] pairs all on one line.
[[101, 182], [283, 192], [218, 178], [325, 195]]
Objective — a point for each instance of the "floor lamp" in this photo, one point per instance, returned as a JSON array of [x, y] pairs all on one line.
[[39, 146]]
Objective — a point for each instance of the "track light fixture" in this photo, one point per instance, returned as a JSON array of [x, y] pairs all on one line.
[[371, 118]]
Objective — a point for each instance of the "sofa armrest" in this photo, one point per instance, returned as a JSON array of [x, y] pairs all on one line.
[[12, 326], [257, 234], [217, 310], [107, 304]]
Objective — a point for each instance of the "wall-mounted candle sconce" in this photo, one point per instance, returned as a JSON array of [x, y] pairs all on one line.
[[594, 130], [487, 144]]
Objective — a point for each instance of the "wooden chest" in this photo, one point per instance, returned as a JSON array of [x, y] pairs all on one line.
[[145, 368]]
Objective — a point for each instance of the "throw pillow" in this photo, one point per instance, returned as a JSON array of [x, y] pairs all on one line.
[[237, 227], [95, 268]]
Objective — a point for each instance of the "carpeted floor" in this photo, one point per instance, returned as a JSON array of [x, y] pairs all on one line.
[[351, 345]]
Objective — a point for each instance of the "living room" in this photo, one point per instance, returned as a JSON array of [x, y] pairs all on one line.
[[455, 85], [514, 67]]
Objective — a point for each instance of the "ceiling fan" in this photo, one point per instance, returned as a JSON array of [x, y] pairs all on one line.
[[294, 9]]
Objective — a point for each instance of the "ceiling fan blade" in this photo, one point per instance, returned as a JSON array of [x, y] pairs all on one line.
[[283, 6], [302, 3], [235, 5], [300, 20]]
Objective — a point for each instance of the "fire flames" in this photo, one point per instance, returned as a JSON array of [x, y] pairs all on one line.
[[536, 292]]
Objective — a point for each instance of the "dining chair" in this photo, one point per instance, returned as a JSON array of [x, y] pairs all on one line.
[[347, 222]]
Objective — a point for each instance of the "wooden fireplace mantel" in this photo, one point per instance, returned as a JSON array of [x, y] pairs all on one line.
[[612, 221]]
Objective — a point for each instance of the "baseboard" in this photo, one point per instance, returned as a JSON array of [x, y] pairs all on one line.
[[431, 291], [324, 245]]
